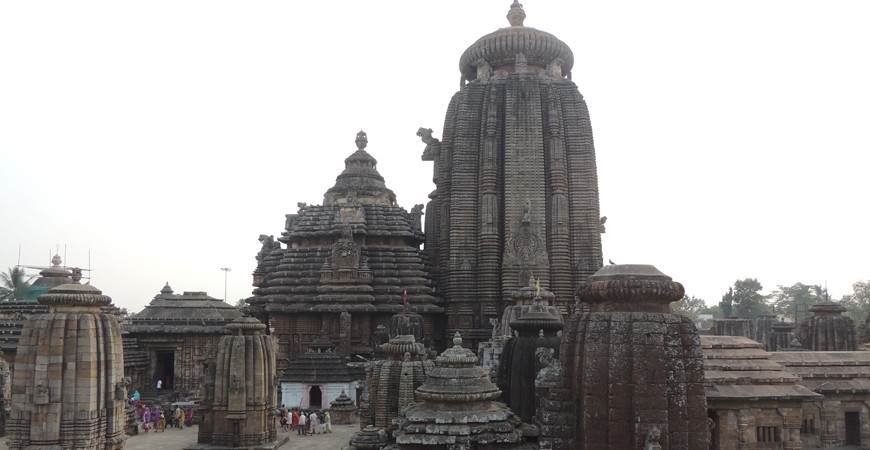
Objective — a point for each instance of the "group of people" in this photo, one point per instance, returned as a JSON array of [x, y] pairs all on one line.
[[155, 418], [305, 423]]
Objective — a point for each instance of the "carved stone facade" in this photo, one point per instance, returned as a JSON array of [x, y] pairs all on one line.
[[173, 333], [632, 366], [842, 417], [53, 406], [516, 180], [346, 267], [753, 401]]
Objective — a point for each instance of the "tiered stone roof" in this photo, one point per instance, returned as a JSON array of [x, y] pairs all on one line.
[[829, 372], [357, 252], [827, 329], [457, 408], [191, 312], [738, 368], [319, 365]]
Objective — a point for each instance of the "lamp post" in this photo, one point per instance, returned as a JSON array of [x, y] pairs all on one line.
[[226, 272]]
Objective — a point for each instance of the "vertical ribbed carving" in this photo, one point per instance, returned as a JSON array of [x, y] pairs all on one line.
[[558, 215], [584, 211], [489, 264], [524, 186]]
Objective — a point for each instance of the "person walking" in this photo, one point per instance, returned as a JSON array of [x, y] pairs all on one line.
[[159, 386], [315, 422], [294, 419], [301, 429], [327, 423], [181, 417]]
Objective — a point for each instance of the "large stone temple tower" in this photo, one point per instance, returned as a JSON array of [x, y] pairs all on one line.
[[516, 183]]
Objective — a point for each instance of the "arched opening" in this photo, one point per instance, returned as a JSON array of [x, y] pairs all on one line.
[[315, 397]]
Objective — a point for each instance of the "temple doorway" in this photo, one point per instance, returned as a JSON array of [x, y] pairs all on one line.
[[315, 397], [165, 369], [853, 428]]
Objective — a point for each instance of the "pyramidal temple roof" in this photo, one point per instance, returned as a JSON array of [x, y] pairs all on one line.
[[185, 313]]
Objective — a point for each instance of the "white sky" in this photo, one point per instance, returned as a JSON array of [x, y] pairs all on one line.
[[165, 136]]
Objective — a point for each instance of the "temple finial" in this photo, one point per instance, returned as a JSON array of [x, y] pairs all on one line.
[[361, 140], [516, 15]]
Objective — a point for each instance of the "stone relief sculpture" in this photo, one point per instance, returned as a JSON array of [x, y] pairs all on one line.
[[433, 145], [652, 439], [601, 222], [484, 70], [235, 382], [521, 63], [527, 211], [554, 69], [551, 371], [496, 330]]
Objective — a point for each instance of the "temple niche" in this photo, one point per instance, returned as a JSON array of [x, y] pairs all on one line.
[[54, 407], [346, 267], [173, 334], [516, 181]]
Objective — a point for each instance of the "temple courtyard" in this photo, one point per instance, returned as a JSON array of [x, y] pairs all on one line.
[[173, 439]]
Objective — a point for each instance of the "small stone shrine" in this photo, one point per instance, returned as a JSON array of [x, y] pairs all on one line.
[[394, 380], [752, 400], [828, 329], [342, 410], [315, 378], [490, 351], [635, 371], [69, 389], [782, 338], [457, 410], [239, 411], [519, 368], [369, 438]]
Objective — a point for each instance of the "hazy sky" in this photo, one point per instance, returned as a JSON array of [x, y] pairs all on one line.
[[164, 136]]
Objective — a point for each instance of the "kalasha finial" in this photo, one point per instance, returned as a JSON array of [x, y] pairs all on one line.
[[457, 340], [56, 261], [361, 140], [516, 15]]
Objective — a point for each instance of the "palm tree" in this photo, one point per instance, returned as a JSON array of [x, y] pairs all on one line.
[[14, 284]]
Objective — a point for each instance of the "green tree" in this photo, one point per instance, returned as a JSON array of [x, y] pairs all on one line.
[[688, 306], [795, 301], [858, 302], [748, 300], [14, 284], [241, 303], [727, 304]]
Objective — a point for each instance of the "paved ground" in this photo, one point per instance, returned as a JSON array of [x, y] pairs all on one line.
[[174, 439]]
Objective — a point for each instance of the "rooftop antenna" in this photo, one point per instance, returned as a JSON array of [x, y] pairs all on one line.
[[19, 254], [64, 252], [89, 268]]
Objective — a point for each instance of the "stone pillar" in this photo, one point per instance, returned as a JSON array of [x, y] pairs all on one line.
[[243, 410], [54, 407], [828, 416], [5, 391], [791, 424]]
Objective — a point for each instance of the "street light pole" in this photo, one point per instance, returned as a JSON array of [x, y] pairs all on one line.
[[226, 272]]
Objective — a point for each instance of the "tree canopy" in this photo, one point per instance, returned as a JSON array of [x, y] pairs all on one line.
[[794, 301], [747, 299], [14, 284], [689, 307]]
